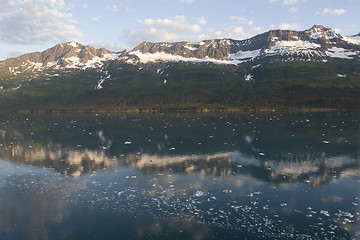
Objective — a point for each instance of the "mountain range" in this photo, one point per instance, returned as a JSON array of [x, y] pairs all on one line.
[[317, 67]]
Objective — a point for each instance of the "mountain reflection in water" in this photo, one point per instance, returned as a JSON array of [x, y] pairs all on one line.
[[272, 175], [242, 157]]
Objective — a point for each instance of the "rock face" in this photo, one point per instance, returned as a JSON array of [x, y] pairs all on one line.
[[66, 55]]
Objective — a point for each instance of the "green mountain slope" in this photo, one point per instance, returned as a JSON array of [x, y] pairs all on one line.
[[334, 84]]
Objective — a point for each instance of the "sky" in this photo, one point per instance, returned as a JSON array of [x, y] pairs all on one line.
[[36, 25]]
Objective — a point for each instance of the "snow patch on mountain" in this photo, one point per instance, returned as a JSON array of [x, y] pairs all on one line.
[[192, 48], [73, 44], [315, 35], [249, 77], [353, 40], [341, 75], [167, 57], [16, 88], [293, 47], [99, 85], [336, 52], [243, 56], [95, 62], [73, 61]]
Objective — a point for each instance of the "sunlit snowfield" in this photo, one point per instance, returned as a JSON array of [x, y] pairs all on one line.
[[272, 175]]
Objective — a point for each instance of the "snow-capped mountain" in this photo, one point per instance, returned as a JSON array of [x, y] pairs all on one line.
[[317, 67], [62, 56], [318, 43]]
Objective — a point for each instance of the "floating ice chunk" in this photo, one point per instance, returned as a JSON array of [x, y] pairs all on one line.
[[326, 142], [326, 213], [199, 194], [261, 154], [127, 142], [346, 221]]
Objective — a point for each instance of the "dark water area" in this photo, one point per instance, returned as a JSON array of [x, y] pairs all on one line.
[[255, 175]]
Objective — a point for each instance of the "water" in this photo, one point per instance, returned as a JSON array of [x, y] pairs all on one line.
[[273, 175]]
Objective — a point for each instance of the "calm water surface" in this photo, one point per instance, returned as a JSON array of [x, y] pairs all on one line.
[[273, 175]]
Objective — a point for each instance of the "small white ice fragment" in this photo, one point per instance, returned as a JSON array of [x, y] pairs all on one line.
[[262, 154], [326, 213], [326, 142], [127, 142], [199, 194]]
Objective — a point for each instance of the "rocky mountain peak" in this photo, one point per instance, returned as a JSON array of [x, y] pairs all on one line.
[[64, 55], [322, 33], [317, 43]]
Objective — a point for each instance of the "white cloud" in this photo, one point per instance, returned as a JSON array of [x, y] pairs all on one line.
[[241, 20], [241, 33], [201, 20], [16, 53], [95, 18], [290, 2], [84, 5], [325, 11], [179, 28], [113, 8], [36, 21], [187, 1], [286, 26], [176, 24], [339, 11], [293, 10], [338, 30], [287, 2], [233, 32], [116, 47], [168, 29]]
